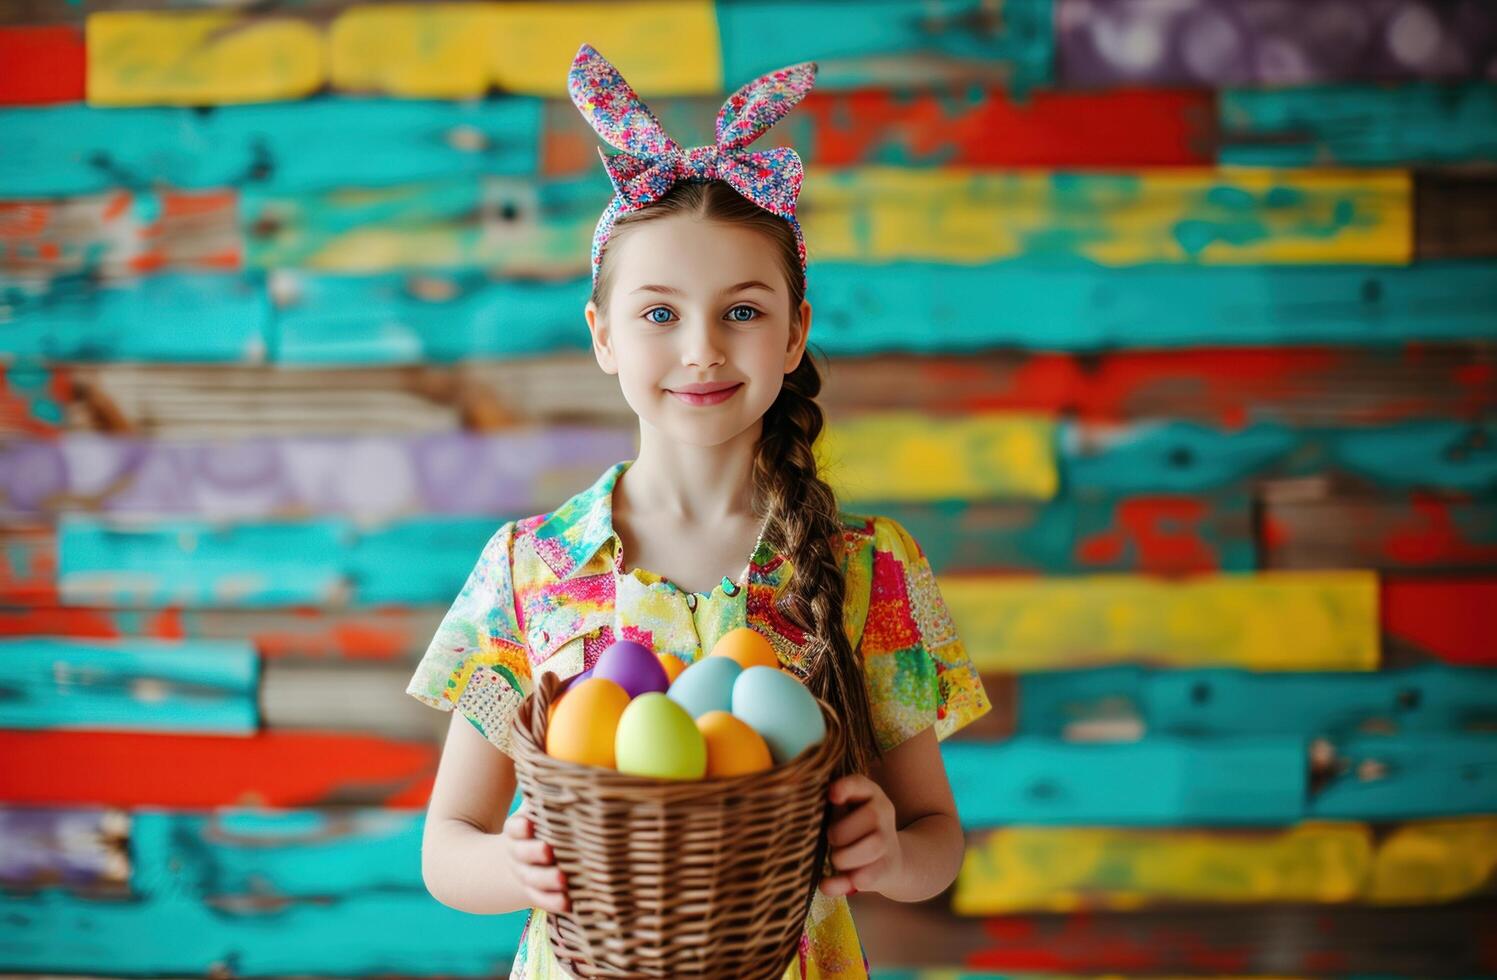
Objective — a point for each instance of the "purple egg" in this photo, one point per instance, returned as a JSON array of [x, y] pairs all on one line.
[[632, 666]]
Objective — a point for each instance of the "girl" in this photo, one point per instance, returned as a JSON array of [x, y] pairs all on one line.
[[699, 308]]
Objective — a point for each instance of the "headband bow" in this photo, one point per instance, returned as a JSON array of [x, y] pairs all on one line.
[[652, 163]]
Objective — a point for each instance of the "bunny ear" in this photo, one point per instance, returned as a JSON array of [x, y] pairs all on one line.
[[610, 106], [759, 104]]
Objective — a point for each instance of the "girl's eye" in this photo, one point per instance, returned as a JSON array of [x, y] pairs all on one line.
[[658, 309], [744, 306]]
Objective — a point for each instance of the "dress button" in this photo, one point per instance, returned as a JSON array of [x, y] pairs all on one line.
[[730, 587], [691, 601]]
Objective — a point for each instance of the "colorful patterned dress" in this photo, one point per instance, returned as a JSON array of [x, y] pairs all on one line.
[[549, 593]]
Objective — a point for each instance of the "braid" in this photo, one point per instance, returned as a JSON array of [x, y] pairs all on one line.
[[803, 524]]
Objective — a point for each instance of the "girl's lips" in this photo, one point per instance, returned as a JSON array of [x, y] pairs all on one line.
[[711, 398]]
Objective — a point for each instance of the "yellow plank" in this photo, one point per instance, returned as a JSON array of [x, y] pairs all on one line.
[[1064, 869], [200, 58], [663, 48], [1313, 620], [916, 456], [1435, 861], [438, 50], [1203, 215]]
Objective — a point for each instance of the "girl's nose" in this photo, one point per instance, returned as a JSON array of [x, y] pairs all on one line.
[[701, 347]]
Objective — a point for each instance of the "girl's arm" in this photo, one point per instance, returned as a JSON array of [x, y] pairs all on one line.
[[467, 861], [902, 837]]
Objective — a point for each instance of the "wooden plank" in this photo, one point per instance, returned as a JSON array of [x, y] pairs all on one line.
[[1194, 216], [387, 634], [154, 318], [267, 769], [911, 456], [1359, 125], [1015, 869], [44, 62], [1126, 702], [120, 234], [1220, 43], [309, 145], [1402, 777], [1157, 781], [891, 45], [83, 849], [199, 686], [264, 891], [202, 57], [1307, 524], [28, 565], [1455, 215], [1182, 940], [436, 51], [33, 398], [1267, 621], [1450, 618]]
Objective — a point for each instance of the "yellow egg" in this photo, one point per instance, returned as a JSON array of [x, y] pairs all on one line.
[[733, 747], [583, 722], [673, 666], [748, 647]]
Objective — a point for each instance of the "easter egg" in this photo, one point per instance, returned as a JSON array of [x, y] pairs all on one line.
[[656, 737], [706, 685], [746, 646], [576, 679], [780, 709], [583, 725], [733, 747], [672, 664], [633, 666]]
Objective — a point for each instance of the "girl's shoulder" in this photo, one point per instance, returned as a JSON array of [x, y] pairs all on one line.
[[878, 533]]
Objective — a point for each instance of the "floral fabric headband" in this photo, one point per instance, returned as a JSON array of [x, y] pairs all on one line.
[[652, 163]]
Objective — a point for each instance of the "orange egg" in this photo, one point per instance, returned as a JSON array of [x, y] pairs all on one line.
[[733, 747], [748, 647], [583, 723], [673, 666]]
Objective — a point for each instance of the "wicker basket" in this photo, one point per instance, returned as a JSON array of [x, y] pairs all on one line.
[[691, 878]]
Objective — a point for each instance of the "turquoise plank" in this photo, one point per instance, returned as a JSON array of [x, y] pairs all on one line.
[[199, 686], [198, 563], [889, 42], [169, 317], [1359, 125], [417, 560], [1223, 702], [259, 894], [1161, 781], [1188, 457], [1409, 777], [379, 320], [281, 146]]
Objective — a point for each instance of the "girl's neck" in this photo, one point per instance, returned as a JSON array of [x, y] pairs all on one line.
[[693, 485]]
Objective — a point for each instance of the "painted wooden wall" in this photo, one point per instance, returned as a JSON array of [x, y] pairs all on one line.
[[1181, 343]]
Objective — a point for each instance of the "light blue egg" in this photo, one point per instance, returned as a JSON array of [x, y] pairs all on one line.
[[706, 685], [780, 709]]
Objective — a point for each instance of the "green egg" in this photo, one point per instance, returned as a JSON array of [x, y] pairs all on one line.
[[656, 737]]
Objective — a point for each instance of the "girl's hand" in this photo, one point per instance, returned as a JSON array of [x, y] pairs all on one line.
[[864, 842], [533, 862]]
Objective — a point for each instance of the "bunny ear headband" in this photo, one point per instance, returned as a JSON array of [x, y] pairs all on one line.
[[651, 162]]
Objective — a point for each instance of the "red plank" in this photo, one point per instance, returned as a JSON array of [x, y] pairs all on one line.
[[269, 769], [1454, 619], [42, 64]]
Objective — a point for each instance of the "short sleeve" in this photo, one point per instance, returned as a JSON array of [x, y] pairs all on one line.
[[478, 662], [918, 670]]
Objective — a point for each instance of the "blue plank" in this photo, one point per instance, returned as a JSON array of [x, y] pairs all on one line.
[[1162, 781], [197, 686], [302, 145], [1408, 777]]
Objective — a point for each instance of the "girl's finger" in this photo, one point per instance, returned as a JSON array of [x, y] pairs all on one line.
[[531, 852], [861, 852], [519, 825], [542, 879], [852, 788], [852, 826], [834, 886]]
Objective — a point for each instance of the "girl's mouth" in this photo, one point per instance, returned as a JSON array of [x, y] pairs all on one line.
[[711, 398]]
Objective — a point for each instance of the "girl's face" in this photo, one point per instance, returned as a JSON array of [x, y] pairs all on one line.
[[697, 303]]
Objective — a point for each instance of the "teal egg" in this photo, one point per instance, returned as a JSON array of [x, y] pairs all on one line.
[[706, 685], [780, 709], [656, 737]]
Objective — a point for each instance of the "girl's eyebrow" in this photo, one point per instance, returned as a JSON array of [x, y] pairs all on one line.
[[747, 284]]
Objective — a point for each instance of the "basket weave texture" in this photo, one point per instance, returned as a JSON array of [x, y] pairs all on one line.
[[677, 878]]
